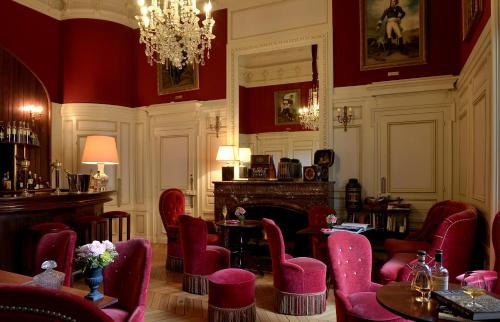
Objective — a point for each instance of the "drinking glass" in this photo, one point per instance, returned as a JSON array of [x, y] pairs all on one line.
[[473, 285], [422, 283], [224, 212]]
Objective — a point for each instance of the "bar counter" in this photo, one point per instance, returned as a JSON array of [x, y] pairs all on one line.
[[18, 214]]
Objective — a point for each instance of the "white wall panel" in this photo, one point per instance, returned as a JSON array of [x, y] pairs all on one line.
[[347, 150], [174, 162], [479, 150]]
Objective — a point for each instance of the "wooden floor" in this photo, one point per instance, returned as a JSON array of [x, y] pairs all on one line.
[[167, 301]]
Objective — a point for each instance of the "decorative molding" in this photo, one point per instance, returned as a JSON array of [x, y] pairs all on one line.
[[276, 74], [413, 85]]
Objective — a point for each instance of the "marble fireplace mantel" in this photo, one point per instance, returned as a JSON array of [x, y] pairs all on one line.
[[296, 195]]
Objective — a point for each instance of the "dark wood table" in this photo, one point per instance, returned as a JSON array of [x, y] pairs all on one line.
[[239, 227], [13, 278], [400, 299]]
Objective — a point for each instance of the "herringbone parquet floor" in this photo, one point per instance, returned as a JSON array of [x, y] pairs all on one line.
[[167, 301]]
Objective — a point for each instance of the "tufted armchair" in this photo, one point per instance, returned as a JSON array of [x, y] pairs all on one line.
[[200, 259], [317, 219], [355, 293], [172, 205], [455, 236], [60, 248], [37, 304], [299, 283], [422, 238], [127, 279]]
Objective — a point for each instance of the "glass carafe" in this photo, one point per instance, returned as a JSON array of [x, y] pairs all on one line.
[[421, 280]]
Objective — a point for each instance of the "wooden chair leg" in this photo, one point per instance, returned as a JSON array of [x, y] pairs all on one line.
[[120, 228], [110, 229], [128, 227]]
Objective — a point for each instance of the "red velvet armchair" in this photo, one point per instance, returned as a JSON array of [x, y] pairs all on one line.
[[37, 304], [127, 279], [317, 219], [455, 236], [422, 238], [200, 259], [59, 247], [172, 205], [299, 283], [355, 293]]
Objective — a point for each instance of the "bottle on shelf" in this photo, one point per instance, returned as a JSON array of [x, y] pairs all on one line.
[[8, 132], [6, 182], [13, 132], [20, 180], [2, 132], [20, 132], [35, 182], [440, 275], [421, 277], [30, 185]]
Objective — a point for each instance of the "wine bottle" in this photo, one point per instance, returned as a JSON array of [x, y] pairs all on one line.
[[440, 275], [30, 181], [13, 132], [9, 131]]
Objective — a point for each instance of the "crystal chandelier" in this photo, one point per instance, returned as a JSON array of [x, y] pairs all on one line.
[[309, 115], [171, 31]]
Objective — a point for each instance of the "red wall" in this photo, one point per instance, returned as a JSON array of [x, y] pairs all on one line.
[[35, 39], [442, 46], [98, 62], [212, 78], [257, 108], [467, 46]]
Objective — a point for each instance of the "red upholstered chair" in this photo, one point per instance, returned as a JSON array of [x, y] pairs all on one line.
[[60, 248], [355, 293], [300, 283], [200, 259], [127, 279], [317, 219], [422, 238], [37, 304], [172, 205], [455, 236]]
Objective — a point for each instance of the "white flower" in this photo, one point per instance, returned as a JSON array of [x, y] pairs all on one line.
[[109, 245], [97, 248]]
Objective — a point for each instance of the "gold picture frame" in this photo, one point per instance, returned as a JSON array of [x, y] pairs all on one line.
[[286, 107], [471, 13], [174, 80], [405, 23]]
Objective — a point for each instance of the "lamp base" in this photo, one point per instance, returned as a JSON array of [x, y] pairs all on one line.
[[243, 172], [227, 173]]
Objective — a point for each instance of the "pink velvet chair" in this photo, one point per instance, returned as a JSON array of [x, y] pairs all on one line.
[[299, 283], [127, 279], [200, 259], [59, 247], [455, 236], [422, 238], [355, 293], [317, 220], [37, 304], [172, 205]]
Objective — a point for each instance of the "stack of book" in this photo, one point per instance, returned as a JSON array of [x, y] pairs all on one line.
[[459, 306]]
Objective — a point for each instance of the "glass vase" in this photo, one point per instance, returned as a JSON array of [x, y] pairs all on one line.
[[93, 278]]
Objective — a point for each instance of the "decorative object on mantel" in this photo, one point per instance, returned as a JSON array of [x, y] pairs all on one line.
[[262, 167], [227, 153], [289, 169], [323, 159], [345, 116], [171, 32], [311, 173], [94, 257], [309, 115]]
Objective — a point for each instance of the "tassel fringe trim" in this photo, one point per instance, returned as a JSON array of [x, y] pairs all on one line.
[[175, 264], [244, 314], [300, 304], [195, 284]]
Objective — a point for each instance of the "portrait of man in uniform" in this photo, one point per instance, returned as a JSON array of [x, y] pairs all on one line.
[[286, 106]]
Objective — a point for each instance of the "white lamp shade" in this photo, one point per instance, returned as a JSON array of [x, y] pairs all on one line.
[[100, 149], [245, 154], [226, 153]]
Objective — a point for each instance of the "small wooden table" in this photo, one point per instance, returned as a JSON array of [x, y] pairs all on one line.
[[240, 227], [13, 278]]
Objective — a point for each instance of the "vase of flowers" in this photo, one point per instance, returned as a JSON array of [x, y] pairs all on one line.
[[331, 220], [93, 258], [240, 214]]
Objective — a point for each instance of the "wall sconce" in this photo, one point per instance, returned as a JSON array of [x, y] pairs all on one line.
[[34, 110], [216, 126], [345, 117]]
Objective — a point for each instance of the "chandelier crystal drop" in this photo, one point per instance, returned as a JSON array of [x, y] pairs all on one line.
[[309, 115], [171, 31]]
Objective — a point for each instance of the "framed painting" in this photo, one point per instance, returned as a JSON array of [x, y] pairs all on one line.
[[392, 33], [173, 80], [286, 106], [471, 12]]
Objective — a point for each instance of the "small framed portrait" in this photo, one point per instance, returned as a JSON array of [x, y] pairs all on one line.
[[173, 80], [286, 106], [471, 12], [392, 33]]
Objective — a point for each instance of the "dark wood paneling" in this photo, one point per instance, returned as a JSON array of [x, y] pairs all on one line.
[[20, 87]]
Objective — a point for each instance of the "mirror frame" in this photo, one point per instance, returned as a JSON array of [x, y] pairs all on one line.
[[320, 35]]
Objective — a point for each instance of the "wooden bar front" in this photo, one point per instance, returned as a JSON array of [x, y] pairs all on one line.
[[18, 214]]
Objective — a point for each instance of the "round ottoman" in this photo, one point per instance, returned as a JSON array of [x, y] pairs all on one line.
[[231, 296]]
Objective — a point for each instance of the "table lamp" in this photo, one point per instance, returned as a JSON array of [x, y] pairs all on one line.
[[245, 154], [228, 154], [100, 150]]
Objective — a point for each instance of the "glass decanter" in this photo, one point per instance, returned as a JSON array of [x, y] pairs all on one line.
[[421, 278], [49, 278]]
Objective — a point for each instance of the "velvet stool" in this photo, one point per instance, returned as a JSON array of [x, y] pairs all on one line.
[[120, 215], [231, 296], [90, 228]]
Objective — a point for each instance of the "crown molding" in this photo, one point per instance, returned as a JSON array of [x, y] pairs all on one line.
[[446, 82]]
